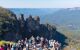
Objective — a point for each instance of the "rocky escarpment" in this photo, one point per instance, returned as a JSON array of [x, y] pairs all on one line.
[[15, 28]]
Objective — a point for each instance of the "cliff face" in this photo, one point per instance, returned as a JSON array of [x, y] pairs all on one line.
[[22, 28], [27, 28], [15, 28]]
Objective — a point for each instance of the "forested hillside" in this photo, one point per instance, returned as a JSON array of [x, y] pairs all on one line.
[[6, 16]]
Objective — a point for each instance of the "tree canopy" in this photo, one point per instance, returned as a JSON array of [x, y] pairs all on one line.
[[6, 14]]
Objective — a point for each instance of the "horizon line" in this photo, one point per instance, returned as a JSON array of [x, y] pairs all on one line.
[[40, 7]]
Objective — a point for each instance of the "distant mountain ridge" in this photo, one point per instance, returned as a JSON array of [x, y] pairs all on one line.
[[62, 16], [66, 17], [33, 11]]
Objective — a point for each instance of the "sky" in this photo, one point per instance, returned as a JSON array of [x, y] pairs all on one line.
[[39, 3]]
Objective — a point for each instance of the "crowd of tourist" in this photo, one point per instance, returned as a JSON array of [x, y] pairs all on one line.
[[38, 43]]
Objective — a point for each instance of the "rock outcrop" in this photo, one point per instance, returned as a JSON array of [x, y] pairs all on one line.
[[20, 28]]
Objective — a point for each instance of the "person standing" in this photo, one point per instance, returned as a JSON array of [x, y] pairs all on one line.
[[57, 45], [1, 48], [5, 46], [24, 48], [37, 39]]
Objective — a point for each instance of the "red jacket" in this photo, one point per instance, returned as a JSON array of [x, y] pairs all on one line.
[[1, 48]]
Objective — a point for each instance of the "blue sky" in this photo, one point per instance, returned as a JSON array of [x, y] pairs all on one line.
[[39, 3]]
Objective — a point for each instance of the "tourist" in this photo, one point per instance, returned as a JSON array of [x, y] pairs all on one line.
[[1, 47], [37, 39], [57, 45], [45, 47], [5, 46], [38, 43], [24, 48]]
